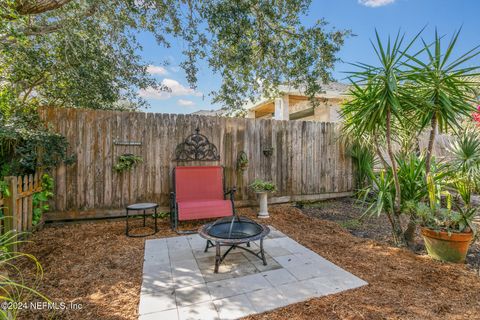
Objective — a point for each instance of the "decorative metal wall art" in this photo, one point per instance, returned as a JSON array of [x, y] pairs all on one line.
[[196, 147]]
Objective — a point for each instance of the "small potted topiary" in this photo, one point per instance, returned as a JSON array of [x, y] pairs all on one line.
[[262, 188], [447, 233]]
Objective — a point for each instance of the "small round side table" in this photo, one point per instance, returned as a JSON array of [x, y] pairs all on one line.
[[142, 207]]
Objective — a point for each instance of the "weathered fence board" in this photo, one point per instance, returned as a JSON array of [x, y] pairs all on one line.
[[308, 161]]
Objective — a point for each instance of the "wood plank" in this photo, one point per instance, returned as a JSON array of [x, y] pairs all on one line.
[[307, 159], [29, 213]]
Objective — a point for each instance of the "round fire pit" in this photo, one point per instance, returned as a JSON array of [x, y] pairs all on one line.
[[232, 232]]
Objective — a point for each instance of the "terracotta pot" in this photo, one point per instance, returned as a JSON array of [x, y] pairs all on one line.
[[444, 247]]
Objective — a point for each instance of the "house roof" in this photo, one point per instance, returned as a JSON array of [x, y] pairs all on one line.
[[330, 90], [211, 112]]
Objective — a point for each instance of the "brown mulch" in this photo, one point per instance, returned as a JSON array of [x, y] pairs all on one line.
[[348, 213], [95, 265]]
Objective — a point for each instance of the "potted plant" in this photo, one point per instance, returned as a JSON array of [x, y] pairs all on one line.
[[447, 233], [262, 188], [127, 162], [242, 161]]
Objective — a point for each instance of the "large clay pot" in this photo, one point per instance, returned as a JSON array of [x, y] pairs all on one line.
[[263, 201], [442, 246]]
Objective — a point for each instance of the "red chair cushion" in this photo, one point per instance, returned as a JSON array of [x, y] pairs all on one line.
[[199, 183], [203, 209]]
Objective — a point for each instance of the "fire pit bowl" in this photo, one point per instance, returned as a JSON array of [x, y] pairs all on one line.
[[232, 232], [234, 228]]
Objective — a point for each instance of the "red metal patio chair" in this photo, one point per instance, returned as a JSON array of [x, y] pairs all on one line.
[[199, 193]]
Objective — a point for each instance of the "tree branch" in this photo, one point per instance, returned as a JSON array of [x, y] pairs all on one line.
[[28, 7], [38, 30]]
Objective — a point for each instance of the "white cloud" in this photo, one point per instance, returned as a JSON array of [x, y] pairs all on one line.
[[158, 70], [176, 89], [185, 103], [375, 3]]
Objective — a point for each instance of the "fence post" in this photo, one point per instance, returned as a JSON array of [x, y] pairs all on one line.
[[10, 221]]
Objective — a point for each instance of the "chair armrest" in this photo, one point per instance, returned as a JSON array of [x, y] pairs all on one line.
[[231, 192]]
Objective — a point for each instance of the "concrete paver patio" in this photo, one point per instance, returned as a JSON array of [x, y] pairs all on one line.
[[179, 282]]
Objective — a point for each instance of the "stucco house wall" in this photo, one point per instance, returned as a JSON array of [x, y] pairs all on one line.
[[293, 105]]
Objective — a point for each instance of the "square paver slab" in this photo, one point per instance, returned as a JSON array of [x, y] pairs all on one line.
[[179, 282], [204, 311], [152, 302], [234, 307], [171, 314], [192, 295]]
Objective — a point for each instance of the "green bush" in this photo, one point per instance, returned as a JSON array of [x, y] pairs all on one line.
[[127, 162], [27, 145], [260, 185], [40, 199], [364, 161], [434, 217]]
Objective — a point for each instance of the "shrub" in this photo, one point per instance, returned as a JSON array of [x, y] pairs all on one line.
[[127, 162], [434, 217], [26, 145], [260, 185]]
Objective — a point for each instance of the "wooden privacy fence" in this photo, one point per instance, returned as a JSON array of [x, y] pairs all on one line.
[[440, 147], [17, 207], [305, 160]]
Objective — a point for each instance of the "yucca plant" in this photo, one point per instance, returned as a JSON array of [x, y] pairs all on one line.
[[445, 86], [379, 198], [465, 153], [465, 164], [364, 161], [378, 100], [383, 192], [411, 173], [394, 101]]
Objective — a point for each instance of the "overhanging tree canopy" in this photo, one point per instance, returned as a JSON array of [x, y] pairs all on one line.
[[85, 53]]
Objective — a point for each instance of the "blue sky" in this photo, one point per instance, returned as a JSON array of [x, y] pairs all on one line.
[[360, 16]]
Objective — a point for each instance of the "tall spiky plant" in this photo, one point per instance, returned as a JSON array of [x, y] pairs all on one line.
[[445, 85], [377, 100], [465, 164]]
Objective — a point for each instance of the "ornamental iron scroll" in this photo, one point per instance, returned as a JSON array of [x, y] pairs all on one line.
[[196, 147]]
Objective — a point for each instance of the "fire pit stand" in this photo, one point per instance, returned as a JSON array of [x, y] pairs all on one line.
[[232, 232]]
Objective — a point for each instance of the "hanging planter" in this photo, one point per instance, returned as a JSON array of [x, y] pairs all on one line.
[[268, 152], [127, 162], [242, 161]]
